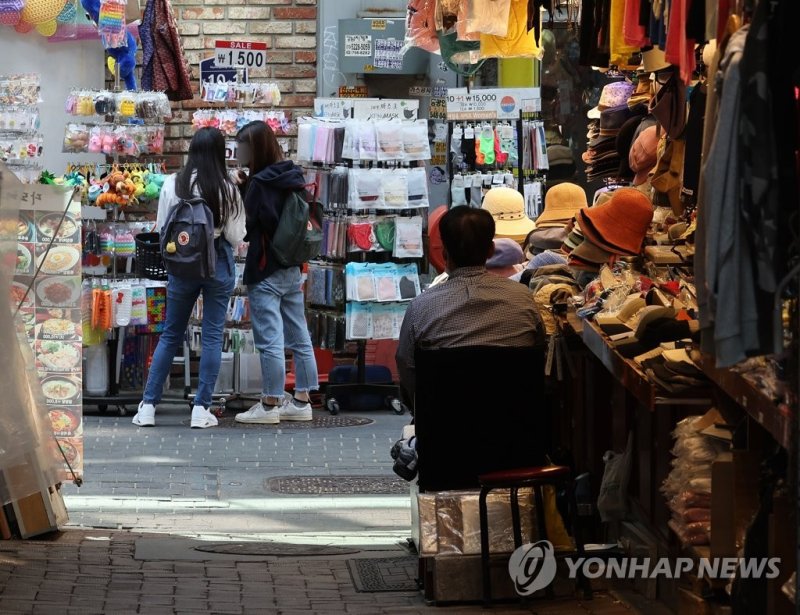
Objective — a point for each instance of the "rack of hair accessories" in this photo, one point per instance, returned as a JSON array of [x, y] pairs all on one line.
[[484, 153], [20, 140], [368, 173]]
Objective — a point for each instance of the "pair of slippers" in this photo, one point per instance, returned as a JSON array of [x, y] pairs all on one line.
[[129, 306]]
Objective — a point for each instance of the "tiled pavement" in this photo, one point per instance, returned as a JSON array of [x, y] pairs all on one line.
[[150, 495]]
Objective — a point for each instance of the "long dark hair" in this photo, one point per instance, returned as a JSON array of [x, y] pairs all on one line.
[[205, 170], [262, 143]]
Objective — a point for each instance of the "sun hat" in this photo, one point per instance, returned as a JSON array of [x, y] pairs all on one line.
[[643, 154], [613, 95], [507, 257], [620, 225], [562, 202], [591, 253], [507, 207], [546, 238]]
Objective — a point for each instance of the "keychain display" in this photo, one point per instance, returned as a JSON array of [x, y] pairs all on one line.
[[19, 120], [109, 139], [146, 106], [20, 148], [242, 93], [231, 121]]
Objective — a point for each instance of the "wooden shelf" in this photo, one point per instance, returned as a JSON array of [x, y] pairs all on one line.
[[632, 377], [760, 407]]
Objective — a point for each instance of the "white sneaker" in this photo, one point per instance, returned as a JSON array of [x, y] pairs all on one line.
[[296, 411], [202, 418], [259, 414], [145, 416]]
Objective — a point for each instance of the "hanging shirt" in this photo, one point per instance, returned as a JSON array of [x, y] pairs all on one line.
[[518, 42], [620, 51]]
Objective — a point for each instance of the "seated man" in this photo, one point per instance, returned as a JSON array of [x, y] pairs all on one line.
[[473, 307]]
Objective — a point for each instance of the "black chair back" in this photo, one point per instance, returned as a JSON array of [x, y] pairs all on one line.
[[478, 409]]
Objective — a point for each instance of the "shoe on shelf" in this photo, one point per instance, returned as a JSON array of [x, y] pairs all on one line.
[[295, 410], [260, 414], [145, 416], [203, 418]]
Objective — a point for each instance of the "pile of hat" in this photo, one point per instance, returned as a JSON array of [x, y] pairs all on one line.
[[561, 204], [618, 227], [602, 156]]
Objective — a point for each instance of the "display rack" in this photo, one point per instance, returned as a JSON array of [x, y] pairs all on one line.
[[20, 140], [353, 248]]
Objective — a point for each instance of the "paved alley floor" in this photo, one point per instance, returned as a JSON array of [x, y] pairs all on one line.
[[173, 520]]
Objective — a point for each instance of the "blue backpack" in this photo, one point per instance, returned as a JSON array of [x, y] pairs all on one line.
[[187, 240]]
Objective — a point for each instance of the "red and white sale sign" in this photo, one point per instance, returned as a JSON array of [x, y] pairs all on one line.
[[240, 54]]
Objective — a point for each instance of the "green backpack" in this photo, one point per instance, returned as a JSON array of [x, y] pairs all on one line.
[[298, 237]]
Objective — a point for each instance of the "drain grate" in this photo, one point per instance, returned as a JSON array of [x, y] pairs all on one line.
[[384, 574], [279, 549], [338, 485], [321, 420]]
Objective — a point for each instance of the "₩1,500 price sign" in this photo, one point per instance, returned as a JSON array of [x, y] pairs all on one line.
[[239, 54]]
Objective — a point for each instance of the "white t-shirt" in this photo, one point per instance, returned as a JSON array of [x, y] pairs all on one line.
[[233, 228]]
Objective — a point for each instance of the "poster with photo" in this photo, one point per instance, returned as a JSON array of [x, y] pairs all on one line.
[[47, 290]]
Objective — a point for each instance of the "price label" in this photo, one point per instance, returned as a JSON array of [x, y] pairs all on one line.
[[238, 54], [358, 45], [378, 24], [491, 103]]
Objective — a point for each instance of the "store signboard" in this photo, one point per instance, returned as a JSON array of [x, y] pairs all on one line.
[[404, 109], [211, 73], [50, 306], [491, 103], [240, 54]]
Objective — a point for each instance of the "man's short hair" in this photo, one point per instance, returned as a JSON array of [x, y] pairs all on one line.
[[467, 235]]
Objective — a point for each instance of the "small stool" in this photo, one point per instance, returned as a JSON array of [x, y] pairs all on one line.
[[514, 480]]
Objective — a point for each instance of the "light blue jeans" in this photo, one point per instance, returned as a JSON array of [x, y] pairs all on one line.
[[277, 312], [181, 296]]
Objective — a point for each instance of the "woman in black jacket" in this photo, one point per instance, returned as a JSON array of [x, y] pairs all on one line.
[[277, 309]]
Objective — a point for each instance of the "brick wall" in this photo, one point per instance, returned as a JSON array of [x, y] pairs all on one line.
[[289, 27]]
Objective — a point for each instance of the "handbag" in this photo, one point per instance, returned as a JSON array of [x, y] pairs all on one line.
[[668, 106]]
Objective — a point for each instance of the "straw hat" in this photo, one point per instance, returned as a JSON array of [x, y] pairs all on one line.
[[620, 225], [654, 60], [562, 202], [507, 207]]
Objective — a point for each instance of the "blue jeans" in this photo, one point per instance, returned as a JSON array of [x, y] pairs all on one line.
[[277, 312], [181, 296]]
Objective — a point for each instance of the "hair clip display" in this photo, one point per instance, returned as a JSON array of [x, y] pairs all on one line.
[[19, 90], [242, 93], [231, 121]]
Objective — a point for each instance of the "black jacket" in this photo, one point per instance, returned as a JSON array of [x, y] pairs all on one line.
[[263, 204]]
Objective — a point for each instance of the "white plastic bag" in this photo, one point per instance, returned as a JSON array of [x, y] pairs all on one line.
[[612, 503]]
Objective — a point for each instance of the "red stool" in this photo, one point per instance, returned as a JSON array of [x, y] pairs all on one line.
[[514, 480], [325, 363]]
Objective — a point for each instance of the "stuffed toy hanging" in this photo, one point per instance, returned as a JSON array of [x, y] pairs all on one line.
[[124, 56]]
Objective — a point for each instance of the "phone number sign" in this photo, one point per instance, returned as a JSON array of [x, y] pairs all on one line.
[[240, 54]]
